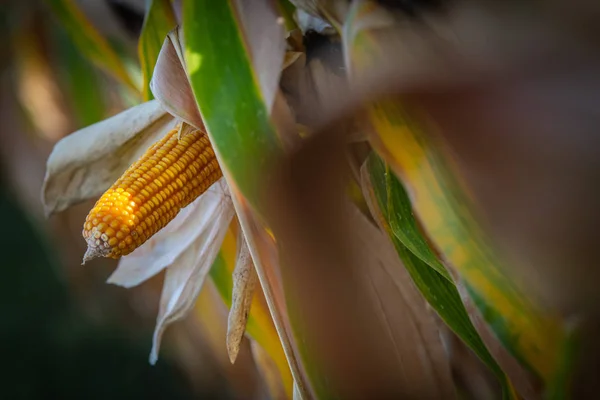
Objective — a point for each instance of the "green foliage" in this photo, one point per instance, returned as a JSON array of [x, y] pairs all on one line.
[[227, 92], [159, 21], [428, 273], [90, 42]]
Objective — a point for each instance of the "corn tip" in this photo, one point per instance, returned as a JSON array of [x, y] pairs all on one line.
[[93, 251]]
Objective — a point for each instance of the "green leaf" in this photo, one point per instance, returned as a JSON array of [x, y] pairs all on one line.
[[395, 213], [400, 216], [532, 334], [287, 9], [233, 68], [227, 91], [89, 41], [82, 82], [158, 22]]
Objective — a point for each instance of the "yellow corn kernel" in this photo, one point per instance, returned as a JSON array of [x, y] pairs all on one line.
[[150, 194]]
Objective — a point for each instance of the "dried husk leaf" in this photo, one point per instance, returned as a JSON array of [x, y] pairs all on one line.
[[244, 283], [167, 245], [186, 275], [170, 84], [185, 129], [263, 249], [86, 163]]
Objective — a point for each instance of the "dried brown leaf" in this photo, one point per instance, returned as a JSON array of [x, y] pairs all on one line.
[[244, 283], [263, 249]]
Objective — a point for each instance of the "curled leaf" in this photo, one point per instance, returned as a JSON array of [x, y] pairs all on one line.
[[170, 83], [164, 248], [244, 283], [186, 275], [84, 164]]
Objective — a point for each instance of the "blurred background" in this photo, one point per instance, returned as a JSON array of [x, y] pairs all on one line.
[[65, 333]]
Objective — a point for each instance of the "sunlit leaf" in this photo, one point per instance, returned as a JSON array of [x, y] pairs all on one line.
[[159, 21], [234, 95], [89, 41]]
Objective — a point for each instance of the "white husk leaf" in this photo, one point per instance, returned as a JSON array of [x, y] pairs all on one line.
[[170, 84], [186, 275], [164, 248], [265, 37], [86, 163], [244, 283]]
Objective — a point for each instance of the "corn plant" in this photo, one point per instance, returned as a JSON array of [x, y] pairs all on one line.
[[276, 150]]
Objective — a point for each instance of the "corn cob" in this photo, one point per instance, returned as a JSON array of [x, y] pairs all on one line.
[[168, 177]]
